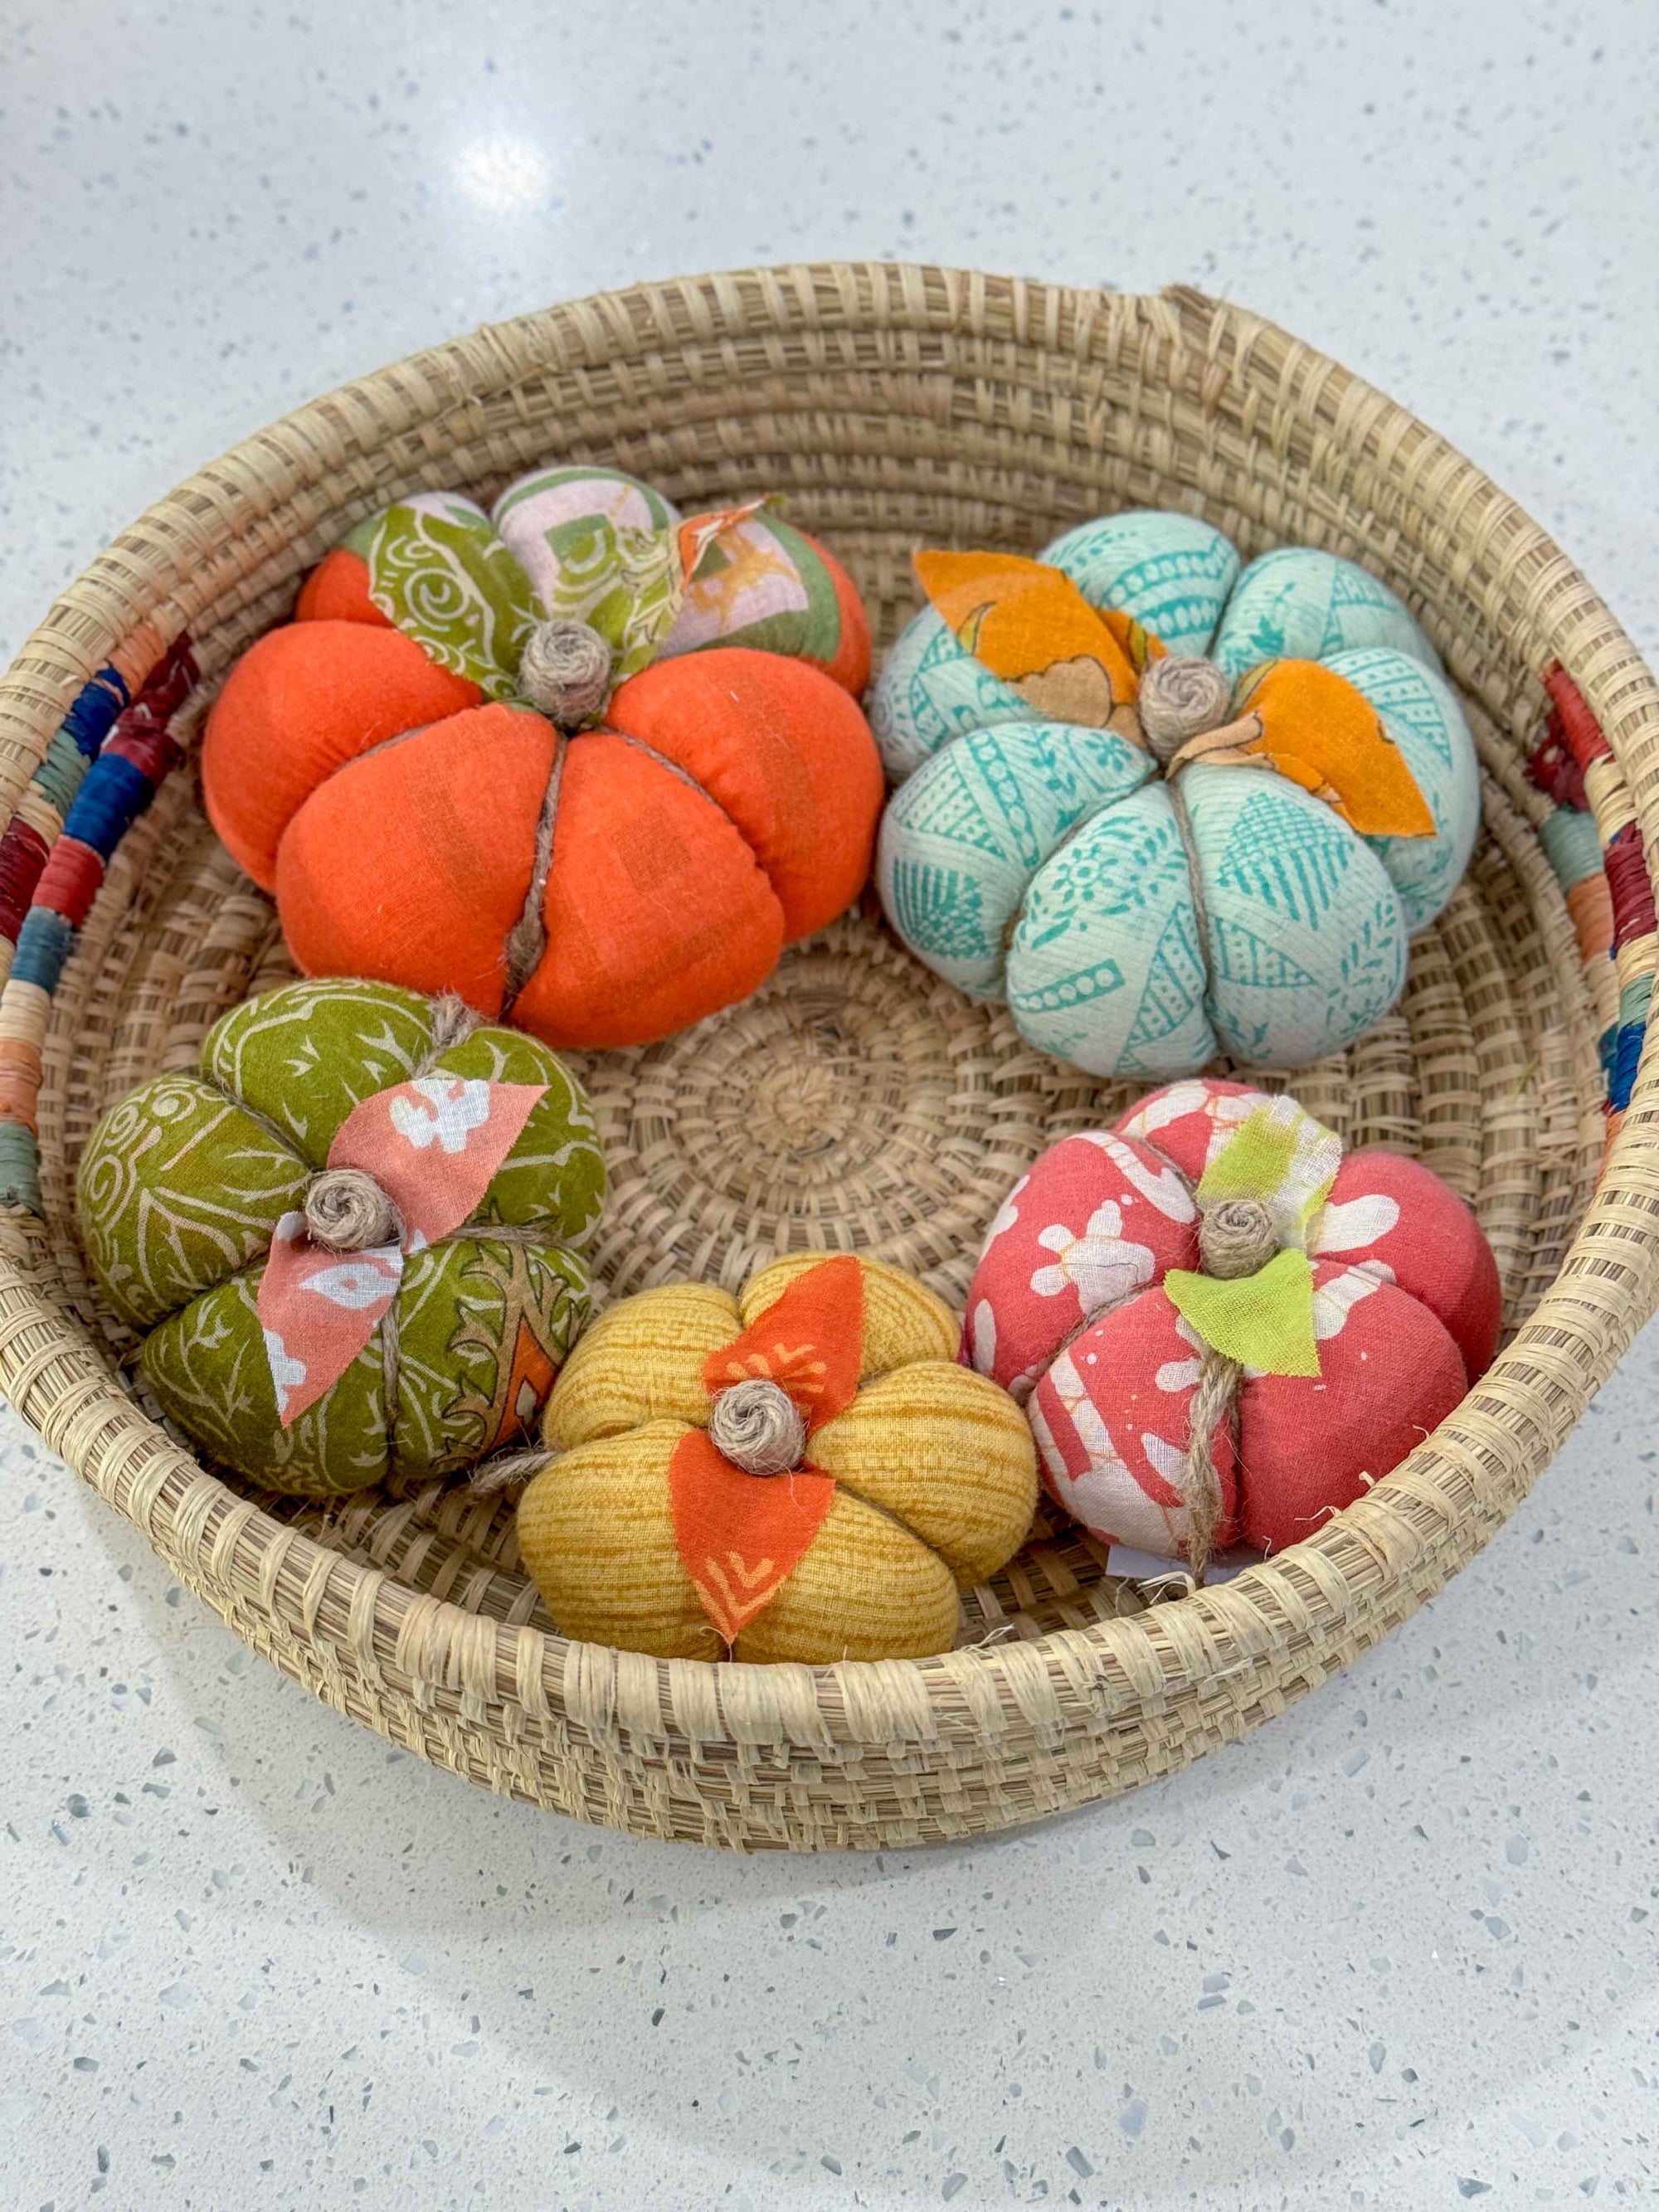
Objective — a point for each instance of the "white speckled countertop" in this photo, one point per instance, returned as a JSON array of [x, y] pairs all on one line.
[[1400, 1948]]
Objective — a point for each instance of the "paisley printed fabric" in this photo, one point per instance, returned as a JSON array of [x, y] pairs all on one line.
[[595, 546], [433, 1147], [1074, 1309], [184, 1186], [1035, 857]]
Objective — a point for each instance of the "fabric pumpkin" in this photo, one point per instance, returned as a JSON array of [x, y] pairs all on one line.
[[1234, 862], [1374, 1306], [800, 1473], [702, 790], [352, 1242]]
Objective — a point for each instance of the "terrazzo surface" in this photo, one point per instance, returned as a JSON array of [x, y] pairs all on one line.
[[1401, 1947]]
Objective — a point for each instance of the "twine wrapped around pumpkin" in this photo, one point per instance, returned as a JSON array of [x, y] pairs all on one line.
[[1235, 1240]]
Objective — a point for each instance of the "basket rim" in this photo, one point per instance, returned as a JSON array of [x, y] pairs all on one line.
[[1446, 1499]]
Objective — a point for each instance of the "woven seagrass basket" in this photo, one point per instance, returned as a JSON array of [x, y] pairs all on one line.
[[856, 1102]]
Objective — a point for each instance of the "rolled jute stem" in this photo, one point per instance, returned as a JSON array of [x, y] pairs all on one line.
[[758, 1426], [1180, 696], [346, 1211], [564, 670], [1235, 1237]]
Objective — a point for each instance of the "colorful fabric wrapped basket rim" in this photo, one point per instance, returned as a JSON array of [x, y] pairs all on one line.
[[898, 405]]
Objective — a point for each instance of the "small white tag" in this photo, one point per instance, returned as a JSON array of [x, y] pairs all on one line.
[[1146, 1567]]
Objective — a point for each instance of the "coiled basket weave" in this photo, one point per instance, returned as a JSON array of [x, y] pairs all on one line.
[[857, 1102]]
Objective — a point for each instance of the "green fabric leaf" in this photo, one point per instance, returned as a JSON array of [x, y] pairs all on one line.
[[1263, 1321], [625, 583], [448, 582]]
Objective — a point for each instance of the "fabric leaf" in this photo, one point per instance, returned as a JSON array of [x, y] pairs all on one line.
[[811, 1343], [1264, 1320], [450, 584], [1029, 624], [740, 1536], [1282, 1156], [433, 1146], [1321, 731]]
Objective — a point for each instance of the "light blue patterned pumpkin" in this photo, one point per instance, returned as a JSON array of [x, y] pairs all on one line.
[[1041, 863]]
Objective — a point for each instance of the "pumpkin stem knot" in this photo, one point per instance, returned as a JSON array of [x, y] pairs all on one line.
[[758, 1426], [564, 670], [346, 1211], [1235, 1237], [1182, 695]]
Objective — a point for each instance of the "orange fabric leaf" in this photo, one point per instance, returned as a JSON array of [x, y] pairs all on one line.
[[1030, 625], [811, 1343], [741, 1536], [1140, 644], [1320, 731]]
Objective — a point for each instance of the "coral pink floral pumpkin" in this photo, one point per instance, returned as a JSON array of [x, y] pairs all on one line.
[[1077, 1308]]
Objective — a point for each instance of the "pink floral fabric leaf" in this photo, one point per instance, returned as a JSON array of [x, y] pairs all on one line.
[[318, 1310], [434, 1146]]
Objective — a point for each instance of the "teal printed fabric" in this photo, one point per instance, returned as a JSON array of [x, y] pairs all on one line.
[[932, 690], [1297, 605], [1308, 942], [1172, 573], [1043, 865], [1420, 713], [959, 845], [1105, 968]]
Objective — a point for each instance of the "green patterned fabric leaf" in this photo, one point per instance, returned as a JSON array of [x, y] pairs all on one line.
[[178, 1188], [303, 1055], [483, 1324], [451, 585], [208, 1369], [623, 582]]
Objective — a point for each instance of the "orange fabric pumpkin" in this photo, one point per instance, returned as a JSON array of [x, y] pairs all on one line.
[[379, 765]]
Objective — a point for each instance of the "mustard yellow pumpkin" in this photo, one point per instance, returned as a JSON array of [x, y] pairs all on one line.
[[803, 1472]]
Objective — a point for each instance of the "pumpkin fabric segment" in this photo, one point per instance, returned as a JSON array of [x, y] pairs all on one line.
[[352, 1244], [605, 847], [1212, 822], [1108, 1302], [803, 1473]]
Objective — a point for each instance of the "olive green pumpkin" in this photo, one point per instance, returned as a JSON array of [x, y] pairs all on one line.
[[181, 1187]]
